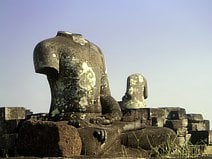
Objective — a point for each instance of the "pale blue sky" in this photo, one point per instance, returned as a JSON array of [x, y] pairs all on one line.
[[168, 41]]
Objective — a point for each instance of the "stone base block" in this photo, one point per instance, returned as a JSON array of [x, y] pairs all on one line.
[[157, 113], [174, 113], [48, 139], [135, 114]]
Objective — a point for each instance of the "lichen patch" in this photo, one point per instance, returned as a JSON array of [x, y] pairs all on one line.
[[87, 77]]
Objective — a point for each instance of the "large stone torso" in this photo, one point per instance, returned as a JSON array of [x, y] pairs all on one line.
[[81, 73]]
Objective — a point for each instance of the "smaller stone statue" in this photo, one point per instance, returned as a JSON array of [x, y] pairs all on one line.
[[136, 92]]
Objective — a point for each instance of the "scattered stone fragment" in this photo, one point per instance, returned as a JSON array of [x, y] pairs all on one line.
[[148, 137], [48, 139]]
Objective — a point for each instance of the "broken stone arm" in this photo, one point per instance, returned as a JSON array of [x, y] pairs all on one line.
[[110, 107], [46, 60]]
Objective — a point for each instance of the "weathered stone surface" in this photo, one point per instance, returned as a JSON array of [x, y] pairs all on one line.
[[175, 124], [11, 126], [174, 113], [12, 113], [194, 117], [159, 122], [7, 145], [38, 116], [182, 131], [76, 72], [110, 108], [183, 140], [208, 151], [151, 116], [157, 113], [102, 141], [136, 114], [136, 92], [199, 126], [199, 137], [90, 144], [48, 139], [148, 137], [8, 137], [157, 116], [210, 138]]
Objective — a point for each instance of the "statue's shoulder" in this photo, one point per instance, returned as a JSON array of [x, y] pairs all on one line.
[[46, 56]]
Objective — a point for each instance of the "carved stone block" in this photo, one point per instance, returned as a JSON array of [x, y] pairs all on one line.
[[48, 139], [176, 124], [158, 113], [199, 126], [148, 137], [12, 113], [159, 122], [194, 117], [174, 113], [136, 114]]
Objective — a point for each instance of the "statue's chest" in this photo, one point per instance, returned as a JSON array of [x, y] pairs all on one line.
[[80, 70]]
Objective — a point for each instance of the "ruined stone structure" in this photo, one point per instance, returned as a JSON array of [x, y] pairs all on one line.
[[84, 119], [26, 134]]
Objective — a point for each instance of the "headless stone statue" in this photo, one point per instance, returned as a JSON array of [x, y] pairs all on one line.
[[136, 92], [76, 73], [77, 76]]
